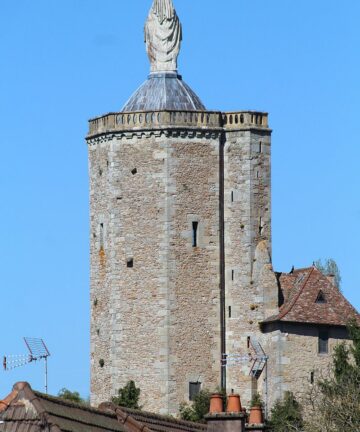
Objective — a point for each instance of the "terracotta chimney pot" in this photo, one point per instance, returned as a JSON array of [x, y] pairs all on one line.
[[216, 404], [233, 404], [331, 278], [256, 415]]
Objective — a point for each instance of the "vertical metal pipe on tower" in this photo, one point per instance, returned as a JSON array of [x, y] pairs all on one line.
[[222, 257]]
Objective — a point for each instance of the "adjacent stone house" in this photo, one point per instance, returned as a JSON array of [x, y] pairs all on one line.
[[310, 322]]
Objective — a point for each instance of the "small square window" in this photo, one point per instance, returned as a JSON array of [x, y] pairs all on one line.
[[130, 263], [194, 389]]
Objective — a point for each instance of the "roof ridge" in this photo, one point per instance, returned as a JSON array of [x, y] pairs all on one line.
[[5, 403], [73, 404], [294, 300], [188, 94], [149, 417]]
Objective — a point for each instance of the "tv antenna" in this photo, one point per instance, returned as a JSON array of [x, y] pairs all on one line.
[[258, 359], [37, 351]]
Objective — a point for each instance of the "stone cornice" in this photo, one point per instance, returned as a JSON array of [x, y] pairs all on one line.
[[174, 133], [173, 123]]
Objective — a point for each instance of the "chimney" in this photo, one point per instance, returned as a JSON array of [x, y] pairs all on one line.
[[331, 278], [233, 420]]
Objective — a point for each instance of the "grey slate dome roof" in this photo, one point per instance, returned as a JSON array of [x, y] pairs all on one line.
[[164, 91]]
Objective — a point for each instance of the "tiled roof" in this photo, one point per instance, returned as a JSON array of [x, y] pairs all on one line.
[[154, 422], [25, 410], [301, 289]]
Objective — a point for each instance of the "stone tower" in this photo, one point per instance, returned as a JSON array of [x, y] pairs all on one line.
[[180, 235]]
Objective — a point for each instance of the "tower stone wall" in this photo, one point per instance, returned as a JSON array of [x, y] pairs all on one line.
[[157, 183], [154, 294], [247, 213]]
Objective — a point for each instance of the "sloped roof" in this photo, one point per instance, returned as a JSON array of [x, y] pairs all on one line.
[[25, 410], [154, 422], [300, 290], [164, 91]]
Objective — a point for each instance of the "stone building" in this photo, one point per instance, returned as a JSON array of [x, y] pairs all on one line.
[[183, 294]]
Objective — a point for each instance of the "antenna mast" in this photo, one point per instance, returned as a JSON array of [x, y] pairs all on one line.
[[38, 351], [257, 357]]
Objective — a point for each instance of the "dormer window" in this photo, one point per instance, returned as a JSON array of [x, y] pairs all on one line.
[[320, 298]]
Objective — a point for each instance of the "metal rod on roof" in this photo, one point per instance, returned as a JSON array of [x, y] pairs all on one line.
[[46, 376]]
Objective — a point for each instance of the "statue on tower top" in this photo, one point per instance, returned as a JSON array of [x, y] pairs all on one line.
[[163, 35]]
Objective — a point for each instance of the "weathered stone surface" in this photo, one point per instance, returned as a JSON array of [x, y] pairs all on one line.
[[158, 322], [155, 295], [163, 35]]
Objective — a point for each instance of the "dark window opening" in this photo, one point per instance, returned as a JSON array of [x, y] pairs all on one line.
[[195, 226], [321, 297], [101, 236], [232, 274], [229, 311], [323, 342], [130, 263], [248, 341], [134, 171], [194, 389], [312, 375], [261, 226], [260, 147], [232, 196]]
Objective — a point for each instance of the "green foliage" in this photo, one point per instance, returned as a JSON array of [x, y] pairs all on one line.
[[354, 332], [286, 415], [328, 268], [66, 394], [346, 360], [199, 408], [256, 401], [128, 396]]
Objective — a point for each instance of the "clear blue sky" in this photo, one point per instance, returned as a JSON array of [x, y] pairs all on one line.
[[63, 62]]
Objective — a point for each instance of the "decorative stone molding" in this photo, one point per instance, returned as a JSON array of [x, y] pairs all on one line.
[[174, 121], [169, 133]]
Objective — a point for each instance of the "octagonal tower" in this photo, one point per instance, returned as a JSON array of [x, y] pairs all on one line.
[[180, 209]]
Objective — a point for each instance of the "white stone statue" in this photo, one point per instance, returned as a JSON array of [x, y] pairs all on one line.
[[163, 35]]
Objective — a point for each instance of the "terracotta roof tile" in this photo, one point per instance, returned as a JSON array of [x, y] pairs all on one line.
[[30, 411], [300, 290], [25, 410], [154, 422]]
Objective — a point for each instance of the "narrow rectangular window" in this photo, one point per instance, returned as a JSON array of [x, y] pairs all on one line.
[[229, 311], [195, 226], [130, 263], [260, 147], [232, 274], [232, 196], [261, 226], [101, 236], [194, 389], [248, 341], [323, 342], [312, 378]]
